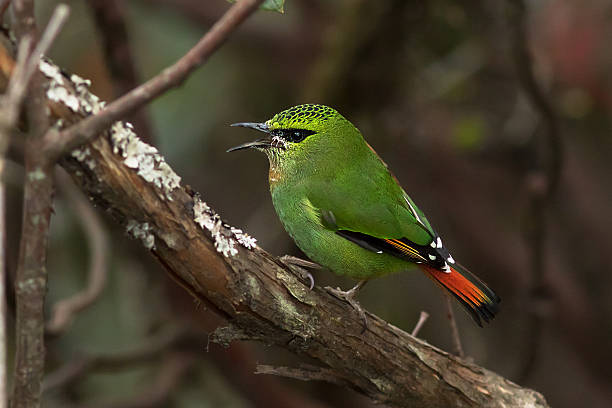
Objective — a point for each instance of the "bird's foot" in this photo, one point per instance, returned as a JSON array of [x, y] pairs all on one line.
[[349, 297], [298, 264]]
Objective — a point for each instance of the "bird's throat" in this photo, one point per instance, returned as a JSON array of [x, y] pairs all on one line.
[[274, 175]]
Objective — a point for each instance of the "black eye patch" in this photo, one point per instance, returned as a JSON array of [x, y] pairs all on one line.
[[292, 135]]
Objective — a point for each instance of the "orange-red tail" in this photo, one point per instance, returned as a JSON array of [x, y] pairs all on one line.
[[475, 296]]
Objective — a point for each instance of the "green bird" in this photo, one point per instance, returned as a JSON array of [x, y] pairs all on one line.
[[347, 212]]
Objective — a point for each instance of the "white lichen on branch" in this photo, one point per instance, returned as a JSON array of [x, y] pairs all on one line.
[[84, 156], [137, 155], [243, 238], [224, 236], [143, 232], [144, 158], [56, 89], [90, 103]]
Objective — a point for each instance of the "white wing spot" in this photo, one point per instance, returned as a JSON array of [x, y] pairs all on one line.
[[433, 244], [439, 242], [379, 252], [413, 210], [432, 257], [446, 268], [450, 259]]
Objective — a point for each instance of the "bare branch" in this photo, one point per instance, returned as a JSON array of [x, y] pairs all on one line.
[[147, 350], [172, 76], [31, 276], [31, 279], [25, 22], [3, 339], [535, 94], [65, 310], [4, 4], [109, 16], [27, 65], [305, 372], [56, 22], [457, 347], [541, 183], [10, 102], [423, 316], [172, 370]]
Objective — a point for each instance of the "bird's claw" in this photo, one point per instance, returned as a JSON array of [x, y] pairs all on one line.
[[298, 264]]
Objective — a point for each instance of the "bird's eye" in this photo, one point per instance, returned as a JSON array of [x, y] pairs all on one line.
[[296, 135]]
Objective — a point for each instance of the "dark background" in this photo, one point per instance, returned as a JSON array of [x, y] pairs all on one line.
[[433, 86]]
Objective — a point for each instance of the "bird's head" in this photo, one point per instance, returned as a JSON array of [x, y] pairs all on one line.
[[298, 133]]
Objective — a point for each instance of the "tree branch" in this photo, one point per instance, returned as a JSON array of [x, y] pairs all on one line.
[[457, 346], [305, 372], [64, 311], [76, 135], [3, 338], [173, 369], [148, 350], [31, 276], [221, 266], [423, 316], [109, 16], [542, 182]]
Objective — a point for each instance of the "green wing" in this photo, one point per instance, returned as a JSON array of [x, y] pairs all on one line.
[[367, 199]]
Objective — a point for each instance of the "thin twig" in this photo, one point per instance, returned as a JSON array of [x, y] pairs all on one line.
[[110, 16], [457, 346], [147, 350], [65, 310], [305, 372], [26, 67], [56, 22], [25, 21], [10, 102], [172, 370], [3, 6], [3, 342], [422, 319], [543, 181], [67, 140]]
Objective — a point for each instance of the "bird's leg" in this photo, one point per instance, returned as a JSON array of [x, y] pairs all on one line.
[[349, 297], [298, 264]]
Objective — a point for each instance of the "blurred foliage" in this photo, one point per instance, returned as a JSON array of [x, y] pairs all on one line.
[[432, 86]]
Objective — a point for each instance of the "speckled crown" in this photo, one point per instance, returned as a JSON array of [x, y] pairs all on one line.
[[303, 113]]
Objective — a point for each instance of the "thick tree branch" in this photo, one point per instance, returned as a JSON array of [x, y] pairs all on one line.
[[221, 266]]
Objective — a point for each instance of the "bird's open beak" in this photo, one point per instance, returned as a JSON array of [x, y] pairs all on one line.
[[262, 143]]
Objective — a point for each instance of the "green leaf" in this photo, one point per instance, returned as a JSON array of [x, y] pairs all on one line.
[[273, 5]]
